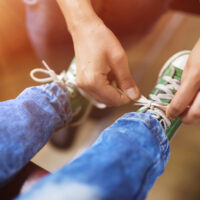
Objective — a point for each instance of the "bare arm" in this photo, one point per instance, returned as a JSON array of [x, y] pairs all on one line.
[[100, 58], [186, 102], [77, 13]]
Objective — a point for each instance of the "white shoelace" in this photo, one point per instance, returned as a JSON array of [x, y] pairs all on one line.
[[67, 81], [155, 106]]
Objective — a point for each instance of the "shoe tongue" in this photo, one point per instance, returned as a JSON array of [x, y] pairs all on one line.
[[181, 61], [173, 72]]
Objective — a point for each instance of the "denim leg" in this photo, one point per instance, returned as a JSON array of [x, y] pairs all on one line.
[[122, 164], [26, 124]]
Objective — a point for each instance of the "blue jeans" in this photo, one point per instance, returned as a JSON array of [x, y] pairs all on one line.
[[122, 164], [26, 124]]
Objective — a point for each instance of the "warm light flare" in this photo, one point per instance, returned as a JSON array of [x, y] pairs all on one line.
[[12, 27]]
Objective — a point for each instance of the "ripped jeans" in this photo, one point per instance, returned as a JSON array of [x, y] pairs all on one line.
[[122, 164]]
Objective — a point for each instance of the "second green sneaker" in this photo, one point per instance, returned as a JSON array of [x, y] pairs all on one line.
[[80, 102], [165, 89]]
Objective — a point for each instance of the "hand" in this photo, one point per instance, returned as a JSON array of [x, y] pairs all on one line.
[[186, 102], [100, 60]]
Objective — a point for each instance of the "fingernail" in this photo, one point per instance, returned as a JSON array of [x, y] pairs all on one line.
[[132, 93], [169, 116]]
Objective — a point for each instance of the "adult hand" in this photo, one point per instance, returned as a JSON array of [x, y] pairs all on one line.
[[101, 60], [186, 102]]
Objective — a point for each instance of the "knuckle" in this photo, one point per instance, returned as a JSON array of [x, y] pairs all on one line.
[[91, 82], [86, 82], [82, 84], [119, 57]]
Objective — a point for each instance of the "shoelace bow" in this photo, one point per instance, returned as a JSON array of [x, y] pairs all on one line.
[[52, 76], [155, 106], [68, 81]]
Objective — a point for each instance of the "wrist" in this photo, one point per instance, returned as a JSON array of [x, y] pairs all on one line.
[[78, 14], [85, 24], [86, 29]]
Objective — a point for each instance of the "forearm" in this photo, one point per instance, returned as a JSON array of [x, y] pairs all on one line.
[[78, 13]]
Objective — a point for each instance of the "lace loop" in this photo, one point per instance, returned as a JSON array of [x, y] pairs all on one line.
[[154, 105], [52, 75], [149, 104], [68, 81], [156, 108]]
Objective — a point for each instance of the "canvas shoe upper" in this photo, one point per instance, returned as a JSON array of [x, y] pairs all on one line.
[[80, 102], [165, 89]]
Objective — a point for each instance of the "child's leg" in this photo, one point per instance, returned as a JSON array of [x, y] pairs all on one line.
[[122, 164], [26, 124], [128, 156]]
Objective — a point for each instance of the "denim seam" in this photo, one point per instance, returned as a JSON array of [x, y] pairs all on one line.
[[163, 150], [46, 90]]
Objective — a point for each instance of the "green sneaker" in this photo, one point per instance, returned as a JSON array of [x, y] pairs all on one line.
[[165, 89], [80, 102]]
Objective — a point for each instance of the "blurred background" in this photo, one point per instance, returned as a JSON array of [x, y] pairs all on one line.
[[174, 31]]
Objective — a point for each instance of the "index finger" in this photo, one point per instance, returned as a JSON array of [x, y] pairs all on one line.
[[109, 94], [184, 96]]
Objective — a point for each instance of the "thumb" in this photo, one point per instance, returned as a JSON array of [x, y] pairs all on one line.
[[124, 79], [184, 96]]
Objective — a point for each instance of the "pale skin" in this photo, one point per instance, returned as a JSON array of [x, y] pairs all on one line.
[[106, 61], [186, 102]]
